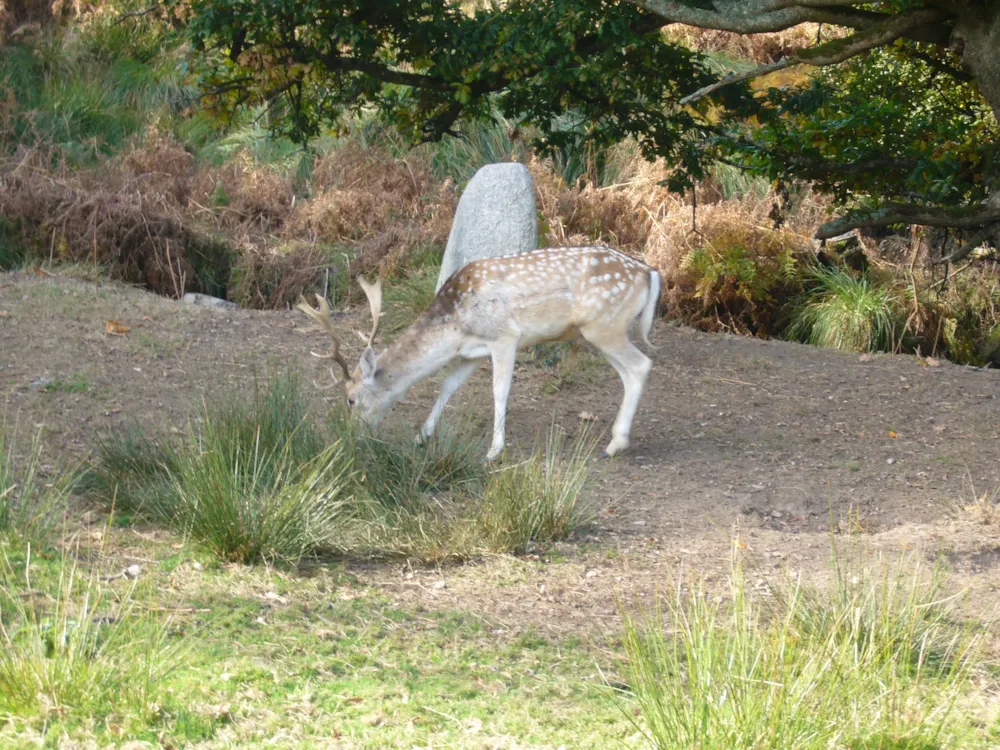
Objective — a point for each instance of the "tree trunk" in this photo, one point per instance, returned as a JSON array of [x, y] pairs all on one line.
[[978, 37]]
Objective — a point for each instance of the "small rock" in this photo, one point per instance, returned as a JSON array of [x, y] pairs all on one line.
[[590, 574], [42, 381], [890, 461], [197, 566], [439, 585], [132, 572], [205, 300]]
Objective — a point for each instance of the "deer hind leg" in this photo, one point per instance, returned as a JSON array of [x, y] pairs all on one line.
[[503, 354], [633, 366], [451, 384]]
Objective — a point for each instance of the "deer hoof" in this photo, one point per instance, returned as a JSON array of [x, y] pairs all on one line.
[[615, 448]]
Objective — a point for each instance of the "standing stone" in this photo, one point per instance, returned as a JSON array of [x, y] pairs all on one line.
[[495, 216]]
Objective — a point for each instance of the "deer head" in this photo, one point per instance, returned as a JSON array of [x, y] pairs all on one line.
[[366, 395]]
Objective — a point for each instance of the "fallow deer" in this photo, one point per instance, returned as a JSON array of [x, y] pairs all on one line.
[[495, 306]]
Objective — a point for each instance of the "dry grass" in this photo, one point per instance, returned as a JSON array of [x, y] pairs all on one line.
[[759, 48], [387, 205], [110, 225]]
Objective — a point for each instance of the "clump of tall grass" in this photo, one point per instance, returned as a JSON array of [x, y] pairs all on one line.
[[85, 649], [879, 662], [30, 501], [261, 479], [257, 480], [131, 467], [848, 312], [396, 472], [538, 499], [250, 503]]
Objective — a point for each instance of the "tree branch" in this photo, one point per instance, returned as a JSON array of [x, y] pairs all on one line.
[[737, 77], [904, 213], [987, 234], [757, 16], [940, 65], [376, 70], [836, 50]]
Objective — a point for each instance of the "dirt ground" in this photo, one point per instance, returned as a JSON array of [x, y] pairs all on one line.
[[764, 443]]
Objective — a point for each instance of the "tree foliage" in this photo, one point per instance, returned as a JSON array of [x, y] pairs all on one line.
[[899, 124], [596, 66]]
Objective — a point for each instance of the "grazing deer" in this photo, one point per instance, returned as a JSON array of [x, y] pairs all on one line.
[[495, 306]]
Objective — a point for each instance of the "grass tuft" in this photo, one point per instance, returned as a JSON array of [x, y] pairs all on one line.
[[879, 663], [131, 467], [848, 312], [87, 650], [539, 499], [396, 472], [30, 501]]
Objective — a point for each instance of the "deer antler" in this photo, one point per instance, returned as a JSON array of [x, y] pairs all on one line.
[[374, 294], [322, 317]]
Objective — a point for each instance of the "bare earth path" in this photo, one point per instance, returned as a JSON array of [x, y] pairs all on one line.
[[766, 441]]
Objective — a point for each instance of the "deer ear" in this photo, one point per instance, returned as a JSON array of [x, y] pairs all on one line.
[[368, 365]]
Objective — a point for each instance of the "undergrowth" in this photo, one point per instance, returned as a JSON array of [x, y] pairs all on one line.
[[849, 311], [881, 661], [108, 164], [260, 479]]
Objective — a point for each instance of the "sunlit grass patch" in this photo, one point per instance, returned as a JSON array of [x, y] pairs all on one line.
[[540, 498], [879, 661], [82, 649]]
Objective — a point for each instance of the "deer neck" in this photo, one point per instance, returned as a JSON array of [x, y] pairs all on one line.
[[417, 353]]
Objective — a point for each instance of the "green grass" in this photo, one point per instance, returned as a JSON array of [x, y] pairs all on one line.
[[77, 383], [256, 481], [407, 298], [257, 503], [848, 312], [253, 654], [538, 499], [397, 472], [260, 479], [87, 94], [881, 662], [80, 649], [31, 498]]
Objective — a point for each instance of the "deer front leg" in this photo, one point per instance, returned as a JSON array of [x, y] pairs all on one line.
[[451, 384], [503, 354]]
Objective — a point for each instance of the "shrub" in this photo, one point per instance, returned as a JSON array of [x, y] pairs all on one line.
[[879, 664], [537, 500], [743, 277], [967, 316], [848, 312]]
